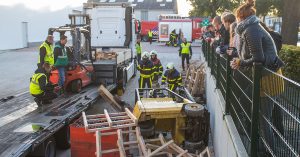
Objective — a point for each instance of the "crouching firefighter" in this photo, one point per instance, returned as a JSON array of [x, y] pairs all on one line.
[[40, 87], [146, 69], [158, 67], [172, 77]]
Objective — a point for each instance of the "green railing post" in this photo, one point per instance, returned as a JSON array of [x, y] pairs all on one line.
[[228, 84], [218, 71], [208, 54], [212, 60], [257, 69]]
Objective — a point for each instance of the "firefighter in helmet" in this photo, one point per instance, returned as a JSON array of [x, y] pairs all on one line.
[[147, 70], [172, 77], [157, 65]]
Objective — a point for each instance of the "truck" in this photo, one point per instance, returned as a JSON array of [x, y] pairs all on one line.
[[166, 26], [106, 29], [146, 26]]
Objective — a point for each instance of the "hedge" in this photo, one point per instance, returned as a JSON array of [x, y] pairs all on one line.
[[290, 55]]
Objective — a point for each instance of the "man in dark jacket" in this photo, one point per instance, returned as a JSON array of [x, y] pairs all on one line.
[[46, 52], [61, 60], [40, 87], [222, 35]]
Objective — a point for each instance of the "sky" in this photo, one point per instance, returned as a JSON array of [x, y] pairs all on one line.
[[54, 5]]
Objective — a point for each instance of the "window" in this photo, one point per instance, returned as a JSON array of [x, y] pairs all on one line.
[[144, 15]]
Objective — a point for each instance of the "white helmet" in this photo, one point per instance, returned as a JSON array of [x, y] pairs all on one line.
[[145, 55], [170, 65], [153, 52]]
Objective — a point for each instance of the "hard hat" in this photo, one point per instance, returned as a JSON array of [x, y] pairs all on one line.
[[153, 52], [145, 55], [170, 66]]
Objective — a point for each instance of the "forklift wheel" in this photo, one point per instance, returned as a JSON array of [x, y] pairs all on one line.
[[194, 110], [76, 86]]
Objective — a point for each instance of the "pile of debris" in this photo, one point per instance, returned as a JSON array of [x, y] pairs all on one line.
[[194, 82], [129, 138]]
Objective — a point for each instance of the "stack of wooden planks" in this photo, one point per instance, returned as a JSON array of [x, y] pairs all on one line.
[[195, 80]]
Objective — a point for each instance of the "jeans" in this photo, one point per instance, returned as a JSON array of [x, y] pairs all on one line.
[[61, 72], [183, 58]]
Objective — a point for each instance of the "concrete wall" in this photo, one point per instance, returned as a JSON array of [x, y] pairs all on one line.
[[226, 140], [152, 14]]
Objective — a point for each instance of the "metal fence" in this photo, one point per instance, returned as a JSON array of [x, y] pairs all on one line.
[[264, 105]]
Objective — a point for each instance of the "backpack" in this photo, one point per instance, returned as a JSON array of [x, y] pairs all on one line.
[[277, 40]]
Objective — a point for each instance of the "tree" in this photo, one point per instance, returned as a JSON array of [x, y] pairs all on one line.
[[290, 21], [212, 7]]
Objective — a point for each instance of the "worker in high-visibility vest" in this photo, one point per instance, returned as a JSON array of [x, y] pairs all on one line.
[[150, 35], [146, 69], [172, 77], [185, 52], [138, 48], [46, 52], [40, 87], [158, 67]]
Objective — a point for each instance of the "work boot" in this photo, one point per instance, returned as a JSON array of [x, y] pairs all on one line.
[[45, 102], [39, 104]]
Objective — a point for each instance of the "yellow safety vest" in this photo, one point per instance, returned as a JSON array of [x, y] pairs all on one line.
[[138, 48], [185, 48], [150, 34], [34, 87], [49, 53]]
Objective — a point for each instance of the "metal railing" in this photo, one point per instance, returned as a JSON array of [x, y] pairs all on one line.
[[264, 105]]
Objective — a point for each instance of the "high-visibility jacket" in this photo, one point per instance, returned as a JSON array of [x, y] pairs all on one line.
[[146, 69], [138, 48], [150, 34], [158, 67], [185, 48], [34, 87], [173, 35], [173, 78], [49, 57]]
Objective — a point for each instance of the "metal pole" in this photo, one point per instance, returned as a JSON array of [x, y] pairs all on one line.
[[218, 71], [228, 84], [257, 69]]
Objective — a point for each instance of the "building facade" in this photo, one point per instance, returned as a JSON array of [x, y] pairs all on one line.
[[148, 10]]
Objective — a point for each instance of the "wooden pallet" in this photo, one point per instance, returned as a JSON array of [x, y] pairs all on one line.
[[106, 55], [108, 121], [194, 81]]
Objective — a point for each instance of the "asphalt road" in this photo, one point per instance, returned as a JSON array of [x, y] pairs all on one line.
[[17, 67]]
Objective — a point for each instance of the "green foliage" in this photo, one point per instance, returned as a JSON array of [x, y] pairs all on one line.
[[216, 7], [291, 56]]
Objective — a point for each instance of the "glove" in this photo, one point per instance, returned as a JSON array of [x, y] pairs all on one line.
[[179, 54], [163, 83], [190, 56]]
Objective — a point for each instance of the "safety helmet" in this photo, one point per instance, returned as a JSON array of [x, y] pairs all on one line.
[[145, 55], [170, 66], [153, 52]]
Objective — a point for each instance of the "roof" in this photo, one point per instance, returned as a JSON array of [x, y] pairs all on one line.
[[147, 4]]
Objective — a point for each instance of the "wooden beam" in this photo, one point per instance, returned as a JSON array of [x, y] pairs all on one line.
[[108, 118], [106, 95], [160, 148]]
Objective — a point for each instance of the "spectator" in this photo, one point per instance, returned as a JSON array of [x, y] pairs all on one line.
[[221, 41], [256, 45]]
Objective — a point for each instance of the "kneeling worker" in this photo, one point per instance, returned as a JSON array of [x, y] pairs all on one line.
[[172, 77], [40, 87]]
